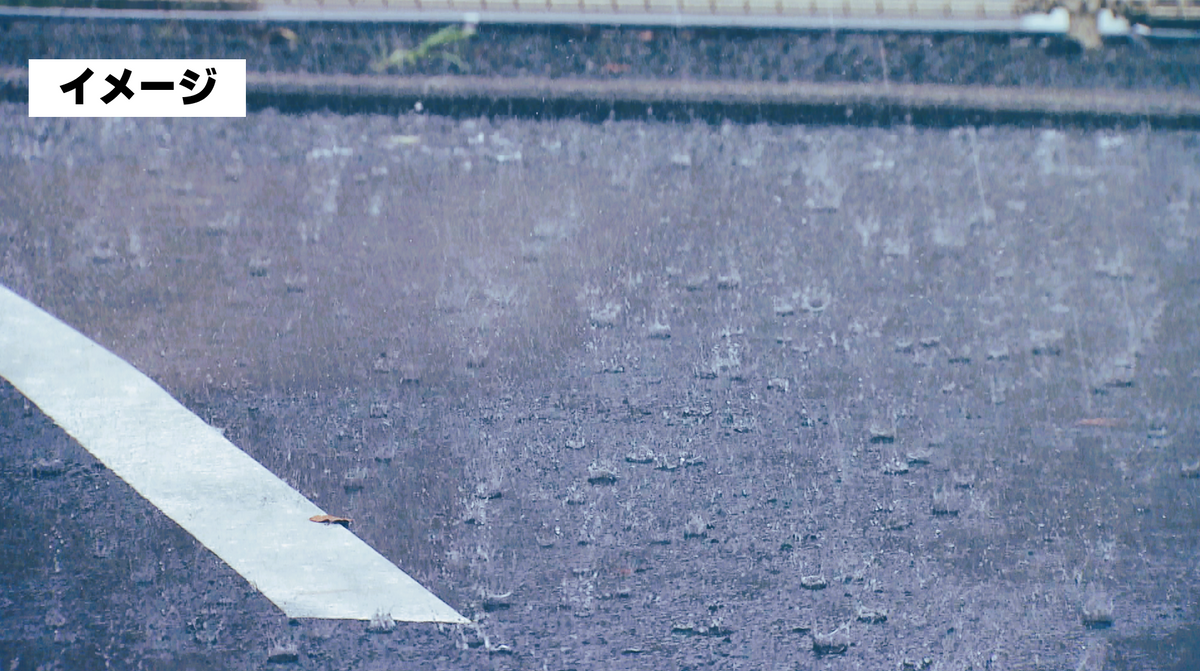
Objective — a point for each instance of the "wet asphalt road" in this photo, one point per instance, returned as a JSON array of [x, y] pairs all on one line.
[[630, 395]]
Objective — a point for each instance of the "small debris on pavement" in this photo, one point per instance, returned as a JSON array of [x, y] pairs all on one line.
[[381, 623], [945, 502], [658, 331], [871, 615], [895, 467], [495, 602], [1098, 611], [836, 642], [295, 284], [813, 582], [259, 265], [882, 434], [601, 475], [696, 527], [283, 653], [918, 457], [48, 468], [354, 479], [643, 455]]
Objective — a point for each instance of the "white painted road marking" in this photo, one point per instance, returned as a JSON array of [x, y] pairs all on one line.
[[238, 509]]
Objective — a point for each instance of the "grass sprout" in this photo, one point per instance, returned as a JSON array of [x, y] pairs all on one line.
[[437, 45]]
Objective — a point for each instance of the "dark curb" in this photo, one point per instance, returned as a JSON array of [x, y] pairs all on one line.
[[926, 104]]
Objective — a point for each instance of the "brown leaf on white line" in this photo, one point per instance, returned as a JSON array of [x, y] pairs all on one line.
[[1103, 422], [331, 519]]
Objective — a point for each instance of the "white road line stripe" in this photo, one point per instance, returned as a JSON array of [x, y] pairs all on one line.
[[233, 505]]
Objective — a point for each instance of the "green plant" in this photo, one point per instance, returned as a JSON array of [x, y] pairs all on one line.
[[436, 45]]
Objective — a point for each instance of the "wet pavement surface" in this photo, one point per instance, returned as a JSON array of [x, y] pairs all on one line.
[[627, 394]]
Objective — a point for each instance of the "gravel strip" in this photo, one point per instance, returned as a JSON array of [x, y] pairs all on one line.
[[611, 53]]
